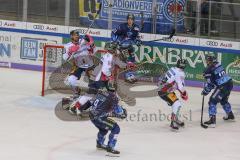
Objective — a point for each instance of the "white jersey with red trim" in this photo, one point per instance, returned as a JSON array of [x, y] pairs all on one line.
[[80, 52], [173, 80], [109, 61]]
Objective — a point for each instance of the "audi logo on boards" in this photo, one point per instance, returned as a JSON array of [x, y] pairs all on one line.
[[212, 43], [82, 31], [38, 27]]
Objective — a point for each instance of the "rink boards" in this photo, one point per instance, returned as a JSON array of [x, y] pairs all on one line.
[[21, 47]]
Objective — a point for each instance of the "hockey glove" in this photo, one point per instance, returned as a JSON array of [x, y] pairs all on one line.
[[184, 95], [123, 115], [207, 89], [205, 92], [119, 112]]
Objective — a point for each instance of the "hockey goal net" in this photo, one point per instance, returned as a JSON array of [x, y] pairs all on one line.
[[54, 71]]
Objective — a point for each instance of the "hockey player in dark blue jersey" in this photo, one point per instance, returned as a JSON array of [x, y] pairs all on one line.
[[126, 35], [222, 84], [104, 106]]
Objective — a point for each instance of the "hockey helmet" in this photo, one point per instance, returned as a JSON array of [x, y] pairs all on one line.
[[211, 59], [74, 32], [181, 63], [130, 16]]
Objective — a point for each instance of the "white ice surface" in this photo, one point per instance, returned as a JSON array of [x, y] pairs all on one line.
[[29, 129]]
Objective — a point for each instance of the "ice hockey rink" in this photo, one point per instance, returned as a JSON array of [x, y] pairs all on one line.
[[30, 129]]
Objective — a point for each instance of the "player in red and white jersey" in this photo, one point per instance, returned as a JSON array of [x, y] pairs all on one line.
[[106, 72], [174, 80], [80, 52]]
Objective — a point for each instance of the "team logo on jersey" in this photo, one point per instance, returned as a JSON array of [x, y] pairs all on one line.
[[129, 34], [170, 8]]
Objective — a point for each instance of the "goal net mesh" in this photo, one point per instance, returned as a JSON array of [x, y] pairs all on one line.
[[55, 70]]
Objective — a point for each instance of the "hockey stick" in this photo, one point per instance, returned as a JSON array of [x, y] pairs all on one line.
[[93, 18], [203, 125], [164, 38]]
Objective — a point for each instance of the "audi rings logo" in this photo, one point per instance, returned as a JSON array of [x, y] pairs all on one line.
[[212, 43], [38, 27], [82, 31]]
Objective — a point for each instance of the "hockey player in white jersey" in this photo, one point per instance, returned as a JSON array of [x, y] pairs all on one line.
[[80, 52], [106, 72], [174, 80]]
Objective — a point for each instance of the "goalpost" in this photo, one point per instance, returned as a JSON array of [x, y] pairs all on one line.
[[52, 63]]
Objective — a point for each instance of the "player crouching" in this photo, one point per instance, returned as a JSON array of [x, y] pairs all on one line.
[[105, 105], [174, 80]]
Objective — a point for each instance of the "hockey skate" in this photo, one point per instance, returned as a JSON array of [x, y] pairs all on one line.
[[66, 102], [72, 110], [211, 122], [101, 146], [112, 152], [229, 116], [180, 123], [176, 123]]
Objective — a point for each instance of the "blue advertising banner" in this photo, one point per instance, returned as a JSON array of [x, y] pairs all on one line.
[[29, 49], [142, 9]]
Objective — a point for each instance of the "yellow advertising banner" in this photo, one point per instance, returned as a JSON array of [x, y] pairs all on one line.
[[88, 7]]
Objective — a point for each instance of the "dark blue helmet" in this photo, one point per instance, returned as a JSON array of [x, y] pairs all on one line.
[[130, 16], [211, 59]]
